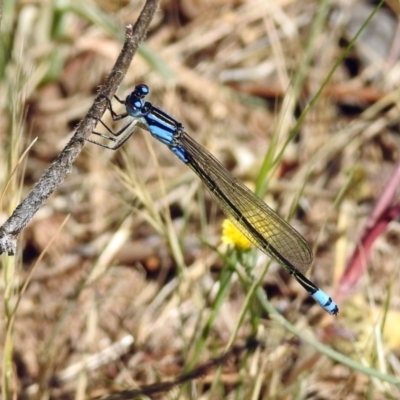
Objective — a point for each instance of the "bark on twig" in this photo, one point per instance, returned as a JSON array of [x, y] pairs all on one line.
[[56, 173]]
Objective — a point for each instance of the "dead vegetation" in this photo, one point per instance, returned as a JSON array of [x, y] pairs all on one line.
[[121, 281]]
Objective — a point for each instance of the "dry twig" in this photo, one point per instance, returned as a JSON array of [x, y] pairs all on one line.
[[56, 173]]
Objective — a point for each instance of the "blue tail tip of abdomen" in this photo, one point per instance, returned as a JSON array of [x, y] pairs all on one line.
[[326, 302]]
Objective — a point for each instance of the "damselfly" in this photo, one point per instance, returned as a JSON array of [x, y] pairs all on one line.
[[258, 222]]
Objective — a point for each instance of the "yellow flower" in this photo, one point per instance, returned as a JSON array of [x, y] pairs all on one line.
[[231, 235]]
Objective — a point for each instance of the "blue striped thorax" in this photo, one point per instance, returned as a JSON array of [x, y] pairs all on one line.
[[161, 125]]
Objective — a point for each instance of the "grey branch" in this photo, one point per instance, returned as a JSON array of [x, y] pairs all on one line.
[[56, 173]]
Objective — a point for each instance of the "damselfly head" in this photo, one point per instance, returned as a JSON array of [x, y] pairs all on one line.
[[134, 105], [141, 91], [137, 107]]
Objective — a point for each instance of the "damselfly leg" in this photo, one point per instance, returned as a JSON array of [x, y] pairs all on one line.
[[116, 117]]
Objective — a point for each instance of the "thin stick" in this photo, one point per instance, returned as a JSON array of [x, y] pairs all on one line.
[[56, 173]]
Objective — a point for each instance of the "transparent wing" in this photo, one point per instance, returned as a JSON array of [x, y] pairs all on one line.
[[258, 222]]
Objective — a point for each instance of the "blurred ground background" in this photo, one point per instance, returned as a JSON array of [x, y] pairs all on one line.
[[139, 260]]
